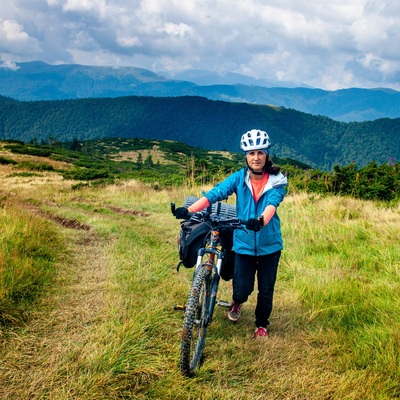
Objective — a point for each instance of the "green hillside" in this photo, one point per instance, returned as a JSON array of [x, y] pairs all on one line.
[[213, 125], [166, 163]]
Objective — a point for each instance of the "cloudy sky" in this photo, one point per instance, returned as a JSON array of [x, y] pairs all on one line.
[[326, 44]]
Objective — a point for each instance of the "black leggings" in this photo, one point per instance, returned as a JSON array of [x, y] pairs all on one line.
[[244, 274]]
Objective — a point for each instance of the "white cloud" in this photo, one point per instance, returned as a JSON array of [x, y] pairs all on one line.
[[177, 30], [77, 6], [333, 44], [130, 41], [13, 32], [14, 39], [9, 65]]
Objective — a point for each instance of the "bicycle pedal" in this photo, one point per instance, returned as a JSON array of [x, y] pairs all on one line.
[[179, 307], [223, 303]]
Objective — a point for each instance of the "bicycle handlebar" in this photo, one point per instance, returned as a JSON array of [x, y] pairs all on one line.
[[220, 220]]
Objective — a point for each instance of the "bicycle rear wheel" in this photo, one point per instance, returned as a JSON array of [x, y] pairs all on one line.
[[195, 322]]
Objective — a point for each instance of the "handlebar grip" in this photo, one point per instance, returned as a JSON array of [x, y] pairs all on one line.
[[173, 208]]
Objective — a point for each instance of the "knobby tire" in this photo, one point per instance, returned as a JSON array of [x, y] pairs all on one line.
[[195, 322]]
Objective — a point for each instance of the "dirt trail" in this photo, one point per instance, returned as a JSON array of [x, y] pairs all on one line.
[[42, 359]]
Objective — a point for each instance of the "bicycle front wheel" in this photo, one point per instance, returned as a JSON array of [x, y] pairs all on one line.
[[195, 322]]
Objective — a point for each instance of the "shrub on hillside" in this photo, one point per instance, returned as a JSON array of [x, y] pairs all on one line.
[[6, 161], [32, 166], [86, 174], [372, 182], [29, 150]]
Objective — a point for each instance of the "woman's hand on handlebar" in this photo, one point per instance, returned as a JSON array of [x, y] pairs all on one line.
[[182, 213], [255, 224]]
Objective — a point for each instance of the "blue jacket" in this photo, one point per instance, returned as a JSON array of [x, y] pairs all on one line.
[[269, 239]]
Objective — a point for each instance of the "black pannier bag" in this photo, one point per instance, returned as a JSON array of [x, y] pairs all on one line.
[[191, 238], [193, 235]]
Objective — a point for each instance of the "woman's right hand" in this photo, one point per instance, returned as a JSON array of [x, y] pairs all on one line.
[[182, 213]]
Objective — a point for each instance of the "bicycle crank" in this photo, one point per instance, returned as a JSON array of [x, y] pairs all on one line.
[[223, 303]]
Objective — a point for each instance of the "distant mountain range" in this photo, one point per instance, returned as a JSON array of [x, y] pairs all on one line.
[[40, 81]]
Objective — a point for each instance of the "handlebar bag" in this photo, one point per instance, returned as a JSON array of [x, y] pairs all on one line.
[[193, 234], [192, 237]]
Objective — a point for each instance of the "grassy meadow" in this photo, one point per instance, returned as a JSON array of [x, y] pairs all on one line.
[[89, 281]]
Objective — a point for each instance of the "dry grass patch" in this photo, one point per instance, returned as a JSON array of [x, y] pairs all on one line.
[[20, 158], [157, 155], [41, 188], [225, 154]]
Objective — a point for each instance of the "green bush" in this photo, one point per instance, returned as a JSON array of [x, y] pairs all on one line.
[[6, 161], [23, 174], [31, 166], [372, 182], [86, 174], [29, 150]]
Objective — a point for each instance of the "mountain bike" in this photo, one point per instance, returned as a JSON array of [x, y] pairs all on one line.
[[199, 309]]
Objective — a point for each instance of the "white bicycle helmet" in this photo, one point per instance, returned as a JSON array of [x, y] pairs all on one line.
[[255, 140]]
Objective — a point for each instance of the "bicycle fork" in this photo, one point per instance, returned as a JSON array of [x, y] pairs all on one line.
[[210, 264], [216, 268]]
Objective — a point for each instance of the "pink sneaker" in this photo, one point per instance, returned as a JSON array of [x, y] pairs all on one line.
[[233, 312], [260, 332]]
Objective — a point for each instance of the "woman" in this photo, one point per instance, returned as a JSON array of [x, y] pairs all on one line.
[[259, 189]]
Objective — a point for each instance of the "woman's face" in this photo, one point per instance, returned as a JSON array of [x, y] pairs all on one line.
[[256, 160]]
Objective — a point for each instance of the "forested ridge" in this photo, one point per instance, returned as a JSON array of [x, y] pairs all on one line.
[[36, 80], [213, 125]]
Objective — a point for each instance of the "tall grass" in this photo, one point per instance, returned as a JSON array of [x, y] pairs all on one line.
[[334, 329], [343, 260], [29, 249]]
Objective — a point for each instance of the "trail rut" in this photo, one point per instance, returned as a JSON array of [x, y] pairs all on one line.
[[39, 360]]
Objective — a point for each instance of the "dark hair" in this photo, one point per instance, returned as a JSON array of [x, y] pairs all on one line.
[[271, 169]]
